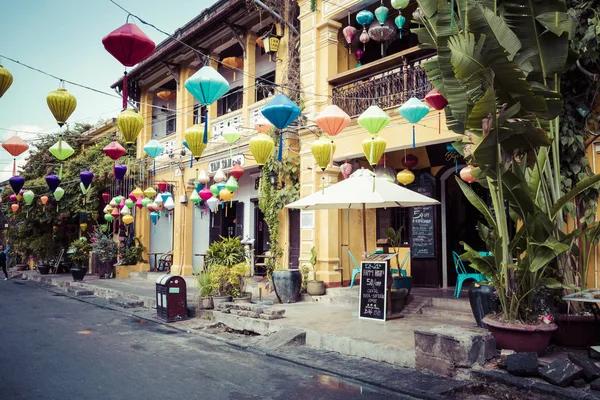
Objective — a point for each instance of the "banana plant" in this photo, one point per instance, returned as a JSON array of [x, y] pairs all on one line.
[[499, 64]]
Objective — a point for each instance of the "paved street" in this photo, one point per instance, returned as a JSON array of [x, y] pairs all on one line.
[[56, 347]]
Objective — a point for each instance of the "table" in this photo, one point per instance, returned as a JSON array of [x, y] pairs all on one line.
[[588, 297], [155, 254]]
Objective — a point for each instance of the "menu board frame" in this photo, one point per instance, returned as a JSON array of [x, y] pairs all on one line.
[[365, 283], [424, 186]]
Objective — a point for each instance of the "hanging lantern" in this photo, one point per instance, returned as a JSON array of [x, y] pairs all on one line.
[[130, 125], [28, 196], [322, 150], [15, 207], [158, 200], [146, 201], [114, 203], [6, 79], [205, 194], [115, 212], [219, 176], [86, 177], [214, 190], [154, 149], [237, 171], [106, 197], [83, 226], [120, 170], [359, 55], [281, 112], [400, 4], [381, 13], [261, 147], [139, 203], [83, 188], [132, 196], [234, 63], [137, 192], [154, 217], [349, 34], [128, 219], [109, 218], [129, 204], [59, 193], [373, 147], [130, 46], [62, 104], [231, 135], [13, 197], [162, 186], [364, 17], [225, 195], [346, 169], [114, 150], [413, 111], [44, 199], [150, 192], [203, 177], [386, 172], [20, 195], [232, 184], [466, 174], [166, 95], [438, 102], [165, 196], [119, 200], [107, 209], [382, 32], [221, 185], [332, 120], [271, 43], [374, 119], [15, 147], [61, 150], [16, 183], [405, 177], [364, 38], [196, 137], [125, 210], [259, 42], [400, 20], [410, 161], [262, 125], [194, 197], [212, 203], [169, 204]]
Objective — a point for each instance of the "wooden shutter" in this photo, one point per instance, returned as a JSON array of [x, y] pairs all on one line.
[[216, 221], [239, 219]]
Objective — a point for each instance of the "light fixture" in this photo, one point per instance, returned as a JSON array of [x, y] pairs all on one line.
[[597, 147], [271, 42], [272, 176]]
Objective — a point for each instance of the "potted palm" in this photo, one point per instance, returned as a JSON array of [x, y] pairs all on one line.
[[79, 253], [206, 288], [314, 287], [106, 251], [503, 94], [226, 264]]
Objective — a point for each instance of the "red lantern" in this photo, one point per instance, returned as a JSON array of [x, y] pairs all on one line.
[[466, 174], [162, 186], [383, 160], [237, 171], [114, 150], [15, 146], [129, 45], [410, 161], [105, 197], [438, 102]]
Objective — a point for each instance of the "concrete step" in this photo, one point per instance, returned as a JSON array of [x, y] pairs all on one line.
[[80, 291], [451, 304], [448, 313], [126, 303], [343, 292]]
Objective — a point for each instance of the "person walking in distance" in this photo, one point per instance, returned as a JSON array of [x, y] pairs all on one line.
[[3, 259]]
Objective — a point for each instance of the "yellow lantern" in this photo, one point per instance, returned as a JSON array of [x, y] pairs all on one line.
[[323, 149], [194, 138], [127, 219], [83, 226], [61, 104], [6, 79], [261, 147], [405, 177], [374, 148], [130, 125], [137, 192], [225, 195]]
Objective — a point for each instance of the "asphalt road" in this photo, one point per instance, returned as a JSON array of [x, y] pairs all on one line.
[[57, 347]]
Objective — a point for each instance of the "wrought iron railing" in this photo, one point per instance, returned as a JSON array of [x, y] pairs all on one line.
[[387, 89]]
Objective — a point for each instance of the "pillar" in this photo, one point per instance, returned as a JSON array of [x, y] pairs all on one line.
[[327, 234], [249, 95], [184, 104]]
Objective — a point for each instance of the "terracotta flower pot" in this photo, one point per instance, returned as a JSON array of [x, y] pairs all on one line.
[[520, 338], [575, 330], [315, 288]]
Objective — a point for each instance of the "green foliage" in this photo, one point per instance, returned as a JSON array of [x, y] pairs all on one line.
[[134, 254], [206, 285], [79, 251], [227, 252], [104, 246], [226, 264]]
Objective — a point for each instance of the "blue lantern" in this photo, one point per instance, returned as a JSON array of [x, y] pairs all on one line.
[[365, 17], [413, 111], [154, 148], [400, 21], [281, 112]]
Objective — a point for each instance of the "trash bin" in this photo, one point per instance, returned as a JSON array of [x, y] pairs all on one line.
[[171, 298]]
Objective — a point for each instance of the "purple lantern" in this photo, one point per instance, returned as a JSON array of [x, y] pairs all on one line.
[[16, 183], [52, 181], [86, 177], [120, 171]]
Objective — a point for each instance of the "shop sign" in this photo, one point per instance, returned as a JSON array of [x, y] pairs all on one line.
[[225, 163], [373, 283]]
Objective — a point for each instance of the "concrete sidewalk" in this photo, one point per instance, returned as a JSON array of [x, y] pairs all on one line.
[[327, 325]]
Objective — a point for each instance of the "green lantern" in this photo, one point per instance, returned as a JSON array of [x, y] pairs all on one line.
[[130, 204], [214, 190], [232, 184], [59, 193], [374, 119], [195, 198], [61, 150]]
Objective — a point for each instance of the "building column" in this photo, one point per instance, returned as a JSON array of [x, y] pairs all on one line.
[[184, 103], [308, 52], [249, 81], [327, 233]]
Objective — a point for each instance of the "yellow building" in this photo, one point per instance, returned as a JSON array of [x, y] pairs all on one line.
[[226, 31]]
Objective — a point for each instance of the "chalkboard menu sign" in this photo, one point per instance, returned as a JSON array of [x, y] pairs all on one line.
[[373, 283], [423, 239]]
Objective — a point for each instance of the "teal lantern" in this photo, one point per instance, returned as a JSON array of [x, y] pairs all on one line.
[[381, 13], [400, 21], [364, 17], [208, 86], [413, 111], [154, 148], [281, 112]]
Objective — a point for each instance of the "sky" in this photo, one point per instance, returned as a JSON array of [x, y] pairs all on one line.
[[64, 38]]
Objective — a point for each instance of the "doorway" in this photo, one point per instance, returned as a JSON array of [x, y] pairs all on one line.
[[261, 236], [294, 239], [227, 222]]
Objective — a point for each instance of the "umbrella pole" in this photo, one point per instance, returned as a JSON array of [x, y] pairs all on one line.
[[364, 212]]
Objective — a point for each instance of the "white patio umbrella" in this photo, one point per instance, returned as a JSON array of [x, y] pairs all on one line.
[[357, 192]]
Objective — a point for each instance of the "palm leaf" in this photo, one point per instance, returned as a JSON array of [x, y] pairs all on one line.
[[477, 202], [577, 189]]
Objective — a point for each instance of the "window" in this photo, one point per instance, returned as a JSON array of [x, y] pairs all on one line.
[[199, 113], [394, 217], [230, 102], [265, 85]]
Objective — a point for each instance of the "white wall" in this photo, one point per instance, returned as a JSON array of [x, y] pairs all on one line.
[[201, 221], [161, 236]]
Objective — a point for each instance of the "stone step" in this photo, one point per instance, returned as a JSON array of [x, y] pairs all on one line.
[[448, 313], [452, 304], [80, 291], [126, 303], [343, 292]]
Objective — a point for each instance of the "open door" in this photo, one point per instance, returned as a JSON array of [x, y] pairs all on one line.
[[294, 239]]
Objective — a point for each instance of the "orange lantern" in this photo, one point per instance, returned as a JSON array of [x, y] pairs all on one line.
[[233, 63], [15, 146], [15, 207], [44, 200], [466, 174], [332, 120], [259, 42], [167, 95]]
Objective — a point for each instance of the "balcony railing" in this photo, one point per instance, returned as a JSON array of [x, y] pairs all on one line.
[[387, 89]]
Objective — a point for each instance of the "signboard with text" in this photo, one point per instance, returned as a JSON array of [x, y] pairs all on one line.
[[373, 284], [225, 163]]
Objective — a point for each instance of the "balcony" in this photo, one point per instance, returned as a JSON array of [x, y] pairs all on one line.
[[389, 82]]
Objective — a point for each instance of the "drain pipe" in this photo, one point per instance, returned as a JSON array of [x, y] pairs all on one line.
[[277, 16]]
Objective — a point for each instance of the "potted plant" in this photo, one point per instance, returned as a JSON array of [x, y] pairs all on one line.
[[401, 281], [131, 255], [206, 288], [106, 251], [314, 287], [226, 264], [79, 253]]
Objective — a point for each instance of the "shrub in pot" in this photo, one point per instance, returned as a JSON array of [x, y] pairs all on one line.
[[227, 266], [79, 253], [106, 250], [314, 287]]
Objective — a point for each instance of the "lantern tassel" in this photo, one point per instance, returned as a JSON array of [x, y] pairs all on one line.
[[125, 90], [414, 138], [205, 138], [439, 123], [154, 169], [60, 171], [15, 166], [331, 155], [280, 155]]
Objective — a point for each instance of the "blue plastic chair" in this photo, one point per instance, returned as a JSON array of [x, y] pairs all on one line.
[[401, 266], [356, 269], [462, 274]]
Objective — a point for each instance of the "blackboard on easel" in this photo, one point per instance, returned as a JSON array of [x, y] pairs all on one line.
[[373, 296], [423, 228]]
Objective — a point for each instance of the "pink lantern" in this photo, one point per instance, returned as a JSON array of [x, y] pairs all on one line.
[[205, 193], [332, 120], [438, 102], [13, 197], [346, 169], [466, 174], [364, 37], [138, 202], [132, 196], [359, 55], [122, 204], [349, 34]]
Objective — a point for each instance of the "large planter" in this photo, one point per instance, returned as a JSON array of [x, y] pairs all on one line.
[[220, 299], [399, 298], [205, 303], [287, 284], [521, 338], [315, 288], [575, 330], [402, 282], [78, 273], [483, 302], [105, 268], [43, 269]]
